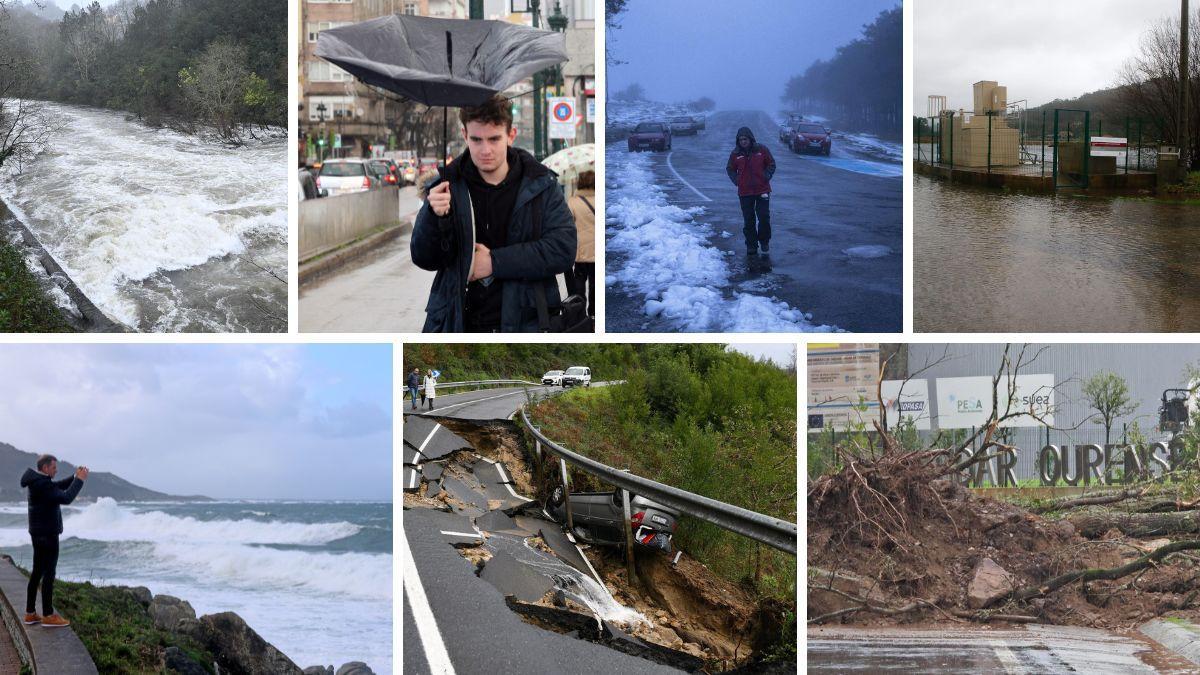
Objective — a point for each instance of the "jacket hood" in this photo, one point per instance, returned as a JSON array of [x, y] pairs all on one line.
[[745, 131], [30, 476]]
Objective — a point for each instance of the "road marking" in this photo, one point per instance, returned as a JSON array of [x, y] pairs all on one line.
[[431, 638], [1006, 657], [681, 180], [479, 400], [503, 477], [432, 431], [593, 569], [412, 482], [462, 534]]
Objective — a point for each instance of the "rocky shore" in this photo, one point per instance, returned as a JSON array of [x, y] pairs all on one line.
[[235, 647]]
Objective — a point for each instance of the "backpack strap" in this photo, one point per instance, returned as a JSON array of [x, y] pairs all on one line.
[[589, 204], [539, 294]]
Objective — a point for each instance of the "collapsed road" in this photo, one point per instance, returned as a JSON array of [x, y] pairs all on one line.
[[491, 583]]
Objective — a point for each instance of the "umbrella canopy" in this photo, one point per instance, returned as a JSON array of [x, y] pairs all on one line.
[[568, 163], [441, 62]]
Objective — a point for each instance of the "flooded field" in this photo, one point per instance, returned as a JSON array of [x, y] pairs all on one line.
[[986, 260]]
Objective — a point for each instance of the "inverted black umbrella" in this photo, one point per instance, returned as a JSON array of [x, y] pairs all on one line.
[[441, 62]]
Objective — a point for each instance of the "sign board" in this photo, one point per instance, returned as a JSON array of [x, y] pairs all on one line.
[[337, 140], [589, 86], [1109, 146], [841, 384], [591, 111], [965, 402], [562, 117], [907, 400]]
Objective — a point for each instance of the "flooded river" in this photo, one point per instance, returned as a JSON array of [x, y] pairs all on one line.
[[162, 231], [986, 260]]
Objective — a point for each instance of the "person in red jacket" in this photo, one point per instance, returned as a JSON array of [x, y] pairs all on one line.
[[750, 168]]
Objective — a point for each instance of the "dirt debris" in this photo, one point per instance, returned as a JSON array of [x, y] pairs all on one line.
[[498, 441]]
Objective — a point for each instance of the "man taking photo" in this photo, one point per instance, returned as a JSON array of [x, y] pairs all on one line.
[[750, 167], [46, 497], [497, 231]]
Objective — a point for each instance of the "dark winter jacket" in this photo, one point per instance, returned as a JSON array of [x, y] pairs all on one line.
[[45, 498], [447, 245], [414, 381], [750, 170]]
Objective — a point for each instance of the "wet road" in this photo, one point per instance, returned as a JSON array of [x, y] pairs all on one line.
[[982, 650], [836, 249], [992, 261]]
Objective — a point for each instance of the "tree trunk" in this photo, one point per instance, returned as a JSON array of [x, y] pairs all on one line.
[[1094, 524]]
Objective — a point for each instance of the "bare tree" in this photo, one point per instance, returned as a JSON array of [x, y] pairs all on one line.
[[25, 125], [1150, 81], [216, 85]]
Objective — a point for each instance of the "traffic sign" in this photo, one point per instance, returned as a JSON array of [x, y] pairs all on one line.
[[562, 116]]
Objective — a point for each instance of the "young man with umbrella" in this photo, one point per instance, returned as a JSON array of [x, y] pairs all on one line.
[[496, 229]]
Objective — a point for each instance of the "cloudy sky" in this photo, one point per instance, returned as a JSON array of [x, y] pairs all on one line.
[[1040, 50], [226, 421], [782, 354], [740, 54]]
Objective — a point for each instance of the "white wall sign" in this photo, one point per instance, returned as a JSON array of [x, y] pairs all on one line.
[[909, 402], [965, 402], [841, 381]]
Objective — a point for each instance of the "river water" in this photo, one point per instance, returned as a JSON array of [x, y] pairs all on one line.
[[986, 260], [165, 232]]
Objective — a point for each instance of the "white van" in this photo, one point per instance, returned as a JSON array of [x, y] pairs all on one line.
[[577, 376]]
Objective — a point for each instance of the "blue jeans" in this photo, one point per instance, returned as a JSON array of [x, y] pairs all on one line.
[[412, 391]]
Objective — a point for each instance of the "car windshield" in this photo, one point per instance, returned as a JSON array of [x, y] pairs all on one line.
[[381, 166], [554, 372], [576, 371], [648, 126], [342, 169], [811, 128], [682, 119]]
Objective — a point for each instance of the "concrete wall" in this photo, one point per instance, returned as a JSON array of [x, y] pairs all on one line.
[[330, 222]]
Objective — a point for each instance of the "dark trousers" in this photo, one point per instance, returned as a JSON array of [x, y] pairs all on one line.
[[582, 281], [45, 563], [756, 205]]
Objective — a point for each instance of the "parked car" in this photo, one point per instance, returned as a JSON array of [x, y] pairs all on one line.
[[684, 125], [553, 378], [700, 120], [408, 173], [343, 176], [386, 169], [599, 518], [650, 136], [786, 129], [577, 376], [811, 137]]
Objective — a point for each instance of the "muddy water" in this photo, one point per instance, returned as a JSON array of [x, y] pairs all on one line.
[[986, 260]]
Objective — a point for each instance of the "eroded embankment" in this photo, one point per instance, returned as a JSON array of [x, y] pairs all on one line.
[[678, 613]]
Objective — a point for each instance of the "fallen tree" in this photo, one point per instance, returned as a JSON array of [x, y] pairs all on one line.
[[1096, 523]]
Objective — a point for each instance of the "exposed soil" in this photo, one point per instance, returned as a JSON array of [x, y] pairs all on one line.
[[497, 441], [901, 538]]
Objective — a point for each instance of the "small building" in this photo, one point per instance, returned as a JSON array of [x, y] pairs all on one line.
[[965, 137]]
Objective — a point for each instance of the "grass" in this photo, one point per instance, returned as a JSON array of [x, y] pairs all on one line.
[[117, 631], [24, 305]]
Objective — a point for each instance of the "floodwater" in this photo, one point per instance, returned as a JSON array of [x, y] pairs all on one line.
[[163, 231], [991, 261]]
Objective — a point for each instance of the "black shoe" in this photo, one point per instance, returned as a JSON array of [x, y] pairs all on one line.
[[765, 247], [751, 251]]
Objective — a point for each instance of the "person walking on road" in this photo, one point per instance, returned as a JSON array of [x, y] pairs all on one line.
[[582, 279], [414, 385], [750, 168], [46, 497], [430, 389], [497, 231]]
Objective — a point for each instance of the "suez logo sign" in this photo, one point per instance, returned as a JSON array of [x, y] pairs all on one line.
[[1025, 402], [965, 402]]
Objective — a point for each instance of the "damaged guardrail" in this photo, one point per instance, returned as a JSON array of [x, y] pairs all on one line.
[[768, 530]]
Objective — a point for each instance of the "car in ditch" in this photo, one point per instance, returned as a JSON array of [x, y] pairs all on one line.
[[577, 376], [599, 518], [684, 125], [811, 137], [553, 378], [650, 136]]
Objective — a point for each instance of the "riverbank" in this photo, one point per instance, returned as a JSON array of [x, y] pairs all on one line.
[[25, 306]]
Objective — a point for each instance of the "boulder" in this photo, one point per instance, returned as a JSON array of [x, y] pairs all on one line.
[[166, 611], [319, 670], [989, 583], [175, 661], [354, 668], [139, 593], [241, 650]]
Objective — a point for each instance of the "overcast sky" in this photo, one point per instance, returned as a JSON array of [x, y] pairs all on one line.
[[1040, 50], [226, 421], [783, 354], [740, 54]]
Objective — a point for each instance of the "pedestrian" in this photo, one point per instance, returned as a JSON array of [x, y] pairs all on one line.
[[46, 497], [497, 231], [581, 280], [414, 385], [750, 168], [430, 389]]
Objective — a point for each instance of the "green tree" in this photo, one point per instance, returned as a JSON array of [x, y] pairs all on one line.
[[1108, 394], [216, 85]]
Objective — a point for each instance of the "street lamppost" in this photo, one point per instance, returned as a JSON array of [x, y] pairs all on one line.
[[533, 8], [558, 24], [321, 141]]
